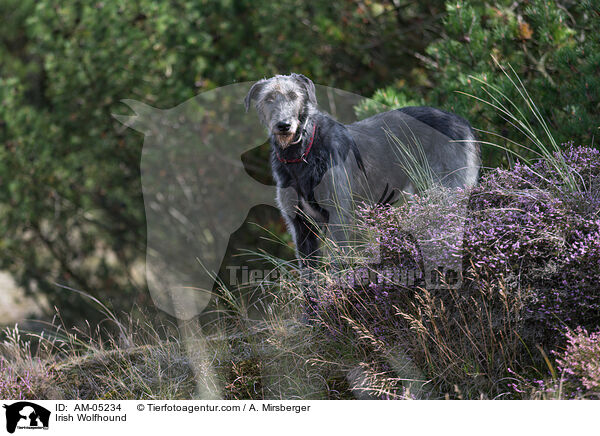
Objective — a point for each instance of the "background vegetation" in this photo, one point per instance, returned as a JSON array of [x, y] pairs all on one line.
[[71, 210]]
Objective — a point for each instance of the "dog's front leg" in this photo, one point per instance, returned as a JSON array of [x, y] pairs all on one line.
[[303, 229], [304, 232], [307, 241], [307, 248]]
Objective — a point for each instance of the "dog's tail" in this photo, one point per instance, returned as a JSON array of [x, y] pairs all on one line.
[[391, 197]]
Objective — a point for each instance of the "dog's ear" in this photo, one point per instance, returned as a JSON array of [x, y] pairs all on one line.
[[308, 85], [253, 93]]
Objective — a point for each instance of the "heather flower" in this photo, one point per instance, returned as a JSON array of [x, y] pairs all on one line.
[[528, 247], [579, 363], [13, 385]]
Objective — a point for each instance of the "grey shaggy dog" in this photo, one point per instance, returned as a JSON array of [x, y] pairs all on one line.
[[323, 168]]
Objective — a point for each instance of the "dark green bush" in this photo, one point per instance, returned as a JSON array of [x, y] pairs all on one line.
[[71, 208], [554, 48]]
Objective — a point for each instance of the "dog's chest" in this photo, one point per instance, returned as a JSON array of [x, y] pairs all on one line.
[[303, 179]]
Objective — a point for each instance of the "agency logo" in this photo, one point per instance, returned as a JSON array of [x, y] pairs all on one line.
[[26, 415]]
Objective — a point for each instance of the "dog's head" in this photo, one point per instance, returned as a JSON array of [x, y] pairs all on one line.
[[283, 103]]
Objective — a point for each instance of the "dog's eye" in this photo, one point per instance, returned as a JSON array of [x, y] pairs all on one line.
[[293, 96]]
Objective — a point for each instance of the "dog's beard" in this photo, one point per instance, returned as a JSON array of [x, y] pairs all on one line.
[[285, 140]]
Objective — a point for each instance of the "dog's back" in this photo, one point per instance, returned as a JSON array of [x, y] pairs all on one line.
[[393, 143]]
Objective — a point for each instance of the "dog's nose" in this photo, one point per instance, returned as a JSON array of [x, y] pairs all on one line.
[[283, 126]]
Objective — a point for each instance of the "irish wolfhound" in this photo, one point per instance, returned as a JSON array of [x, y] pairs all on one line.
[[322, 167]]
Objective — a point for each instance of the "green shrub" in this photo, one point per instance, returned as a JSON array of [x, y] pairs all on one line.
[[554, 48], [71, 209]]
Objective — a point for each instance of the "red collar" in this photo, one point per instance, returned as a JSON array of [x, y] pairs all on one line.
[[303, 157]]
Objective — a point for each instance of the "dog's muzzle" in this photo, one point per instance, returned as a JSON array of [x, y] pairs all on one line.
[[286, 134]]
